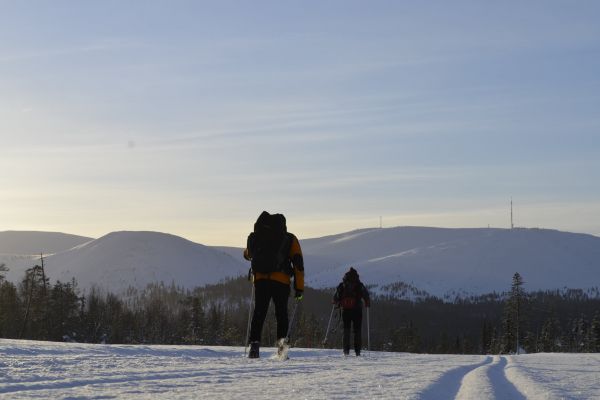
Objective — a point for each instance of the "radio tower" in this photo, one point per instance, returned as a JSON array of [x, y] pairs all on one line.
[[511, 215]]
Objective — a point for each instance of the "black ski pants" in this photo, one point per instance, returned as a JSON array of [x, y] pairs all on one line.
[[264, 291], [352, 319]]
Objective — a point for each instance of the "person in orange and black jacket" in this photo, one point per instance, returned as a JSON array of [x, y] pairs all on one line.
[[273, 284], [349, 296]]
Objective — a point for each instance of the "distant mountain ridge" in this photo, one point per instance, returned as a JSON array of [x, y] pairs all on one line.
[[122, 259], [407, 262], [446, 262], [32, 242], [414, 262]]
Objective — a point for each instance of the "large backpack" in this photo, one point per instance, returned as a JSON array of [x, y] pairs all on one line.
[[270, 244]]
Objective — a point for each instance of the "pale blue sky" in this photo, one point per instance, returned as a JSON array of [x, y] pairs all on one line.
[[191, 117]]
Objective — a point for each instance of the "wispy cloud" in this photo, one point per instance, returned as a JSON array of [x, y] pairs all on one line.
[[101, 46]]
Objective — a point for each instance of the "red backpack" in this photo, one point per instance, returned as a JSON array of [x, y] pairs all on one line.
[[350, 294]]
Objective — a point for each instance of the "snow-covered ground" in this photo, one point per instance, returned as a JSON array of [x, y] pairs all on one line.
[[46, 370]]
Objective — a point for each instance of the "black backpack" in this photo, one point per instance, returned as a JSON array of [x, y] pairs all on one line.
[[269, 244]]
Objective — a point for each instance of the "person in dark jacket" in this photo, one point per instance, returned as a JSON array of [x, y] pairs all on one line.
[[273, 282], [349, 295]]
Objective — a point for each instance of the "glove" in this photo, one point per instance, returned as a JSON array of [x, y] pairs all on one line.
[[298, 294]]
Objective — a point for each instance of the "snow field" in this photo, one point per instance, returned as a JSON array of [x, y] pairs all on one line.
[[31, 370]]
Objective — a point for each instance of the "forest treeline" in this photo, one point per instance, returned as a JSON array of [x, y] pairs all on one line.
[[544, 321]]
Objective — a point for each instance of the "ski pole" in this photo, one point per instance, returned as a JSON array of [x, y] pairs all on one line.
[[287, 338], [368, 331], [250, 309], [328, 325], [336, 324]]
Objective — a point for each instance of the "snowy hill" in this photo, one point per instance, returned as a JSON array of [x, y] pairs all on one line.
[[408, 261], [448, 261], [27, 243], [403, 261], [122, 259], [70, 370]]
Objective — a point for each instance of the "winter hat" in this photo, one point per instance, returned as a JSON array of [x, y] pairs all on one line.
[[351, 275]]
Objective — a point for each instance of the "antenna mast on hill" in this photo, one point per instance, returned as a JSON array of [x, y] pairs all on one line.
[[511, 215]]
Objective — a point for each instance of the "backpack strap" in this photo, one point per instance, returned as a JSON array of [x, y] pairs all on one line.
[[284, 252]]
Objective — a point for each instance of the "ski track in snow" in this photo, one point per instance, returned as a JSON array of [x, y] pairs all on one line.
[[31, 370], [489, 382]]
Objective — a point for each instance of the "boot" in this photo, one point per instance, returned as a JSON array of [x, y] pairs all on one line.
[[254, 350]]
